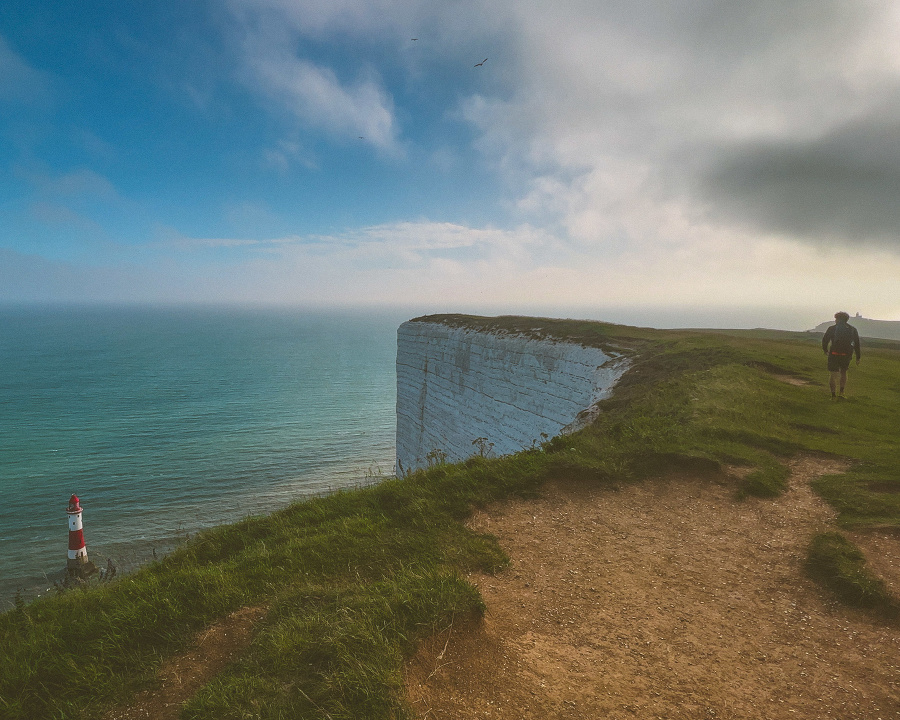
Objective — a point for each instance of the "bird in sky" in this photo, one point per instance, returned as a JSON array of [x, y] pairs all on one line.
[[414, 38], [481, 63]]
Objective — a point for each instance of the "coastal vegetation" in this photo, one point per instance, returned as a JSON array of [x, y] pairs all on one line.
[[351, 582]]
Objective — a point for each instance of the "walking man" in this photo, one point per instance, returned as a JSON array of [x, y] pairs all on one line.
[[844, 341]]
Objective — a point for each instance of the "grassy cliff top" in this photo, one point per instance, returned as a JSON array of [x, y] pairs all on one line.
[[593, 333], [585, 331], [352, 581], [589, 333]]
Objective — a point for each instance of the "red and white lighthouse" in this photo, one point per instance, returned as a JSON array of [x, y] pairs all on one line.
[[77, 563]]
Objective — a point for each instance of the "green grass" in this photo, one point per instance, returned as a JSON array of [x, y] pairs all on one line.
[[766, 482], [353, 580], [338, 651], [838, 564]]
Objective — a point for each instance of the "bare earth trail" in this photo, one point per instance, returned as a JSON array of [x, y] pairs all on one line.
[[664, 599]]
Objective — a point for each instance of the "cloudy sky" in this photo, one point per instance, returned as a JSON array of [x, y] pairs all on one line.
[[699, 162]]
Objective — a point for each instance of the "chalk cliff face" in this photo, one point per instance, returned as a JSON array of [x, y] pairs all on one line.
[[462, 392]]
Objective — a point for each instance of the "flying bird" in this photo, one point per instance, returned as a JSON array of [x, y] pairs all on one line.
[[414, 38], [481, 63]]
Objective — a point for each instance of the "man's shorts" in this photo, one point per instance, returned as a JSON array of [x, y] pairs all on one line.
[[837, 363]]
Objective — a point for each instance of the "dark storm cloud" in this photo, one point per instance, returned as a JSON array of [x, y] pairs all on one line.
[[768, 119], [842, 187]]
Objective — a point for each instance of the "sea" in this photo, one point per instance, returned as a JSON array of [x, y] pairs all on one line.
[[166, 421]]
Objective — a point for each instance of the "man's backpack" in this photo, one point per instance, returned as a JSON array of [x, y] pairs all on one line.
[[843, 339]]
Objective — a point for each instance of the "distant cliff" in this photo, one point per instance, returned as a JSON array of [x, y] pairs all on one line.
[[463, 391], [885, 329]]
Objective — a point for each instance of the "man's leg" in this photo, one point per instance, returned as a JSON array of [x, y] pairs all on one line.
[[843, 380], [832, 383]]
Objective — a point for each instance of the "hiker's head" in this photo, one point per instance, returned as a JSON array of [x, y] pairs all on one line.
[[841, 317]]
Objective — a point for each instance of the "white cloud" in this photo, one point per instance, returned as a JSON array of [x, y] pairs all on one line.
[[447, 267], [272, 65], [51, 213], [274, 38], [657, 153], [440, 26], [82, 182], [320, 18], [77, 183], [452, 266], [74, 202], [171, 239], [286, 154], [637, 122], [314, 95], [19, 82]]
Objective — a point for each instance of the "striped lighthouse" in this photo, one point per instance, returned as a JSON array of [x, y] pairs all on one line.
[[77, 563]]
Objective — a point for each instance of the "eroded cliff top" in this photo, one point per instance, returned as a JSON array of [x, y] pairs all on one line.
[[589, 333]]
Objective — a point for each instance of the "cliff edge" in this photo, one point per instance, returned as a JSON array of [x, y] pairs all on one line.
[[466, 390]]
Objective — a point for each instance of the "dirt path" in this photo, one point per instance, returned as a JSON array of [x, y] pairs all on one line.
[[666, 599], [182, 676]]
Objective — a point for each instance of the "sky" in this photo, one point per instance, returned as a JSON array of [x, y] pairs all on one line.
[[700, 163]]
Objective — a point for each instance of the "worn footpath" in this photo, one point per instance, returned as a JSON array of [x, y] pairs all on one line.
[[664, 599]]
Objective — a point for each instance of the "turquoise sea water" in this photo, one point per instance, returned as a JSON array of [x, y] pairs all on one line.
[[165, 421]]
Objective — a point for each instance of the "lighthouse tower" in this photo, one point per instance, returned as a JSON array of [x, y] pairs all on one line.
[[77, 564]]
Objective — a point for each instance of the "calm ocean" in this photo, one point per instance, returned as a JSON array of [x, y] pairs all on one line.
[[165, 421]]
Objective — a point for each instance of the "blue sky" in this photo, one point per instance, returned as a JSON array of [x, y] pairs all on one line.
[[733, 165]]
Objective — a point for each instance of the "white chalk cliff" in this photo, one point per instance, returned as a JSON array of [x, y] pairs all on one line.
[[462, 391]]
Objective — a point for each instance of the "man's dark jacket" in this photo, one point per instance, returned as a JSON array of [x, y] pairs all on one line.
[[844, 340]]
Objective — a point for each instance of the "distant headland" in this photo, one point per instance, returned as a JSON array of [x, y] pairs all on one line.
[[883, 329]]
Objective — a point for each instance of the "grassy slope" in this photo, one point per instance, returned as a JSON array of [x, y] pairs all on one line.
[[353, 580]]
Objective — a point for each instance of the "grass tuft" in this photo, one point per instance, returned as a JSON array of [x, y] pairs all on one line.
[[838, 564], [338, 652], [766, 482]]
